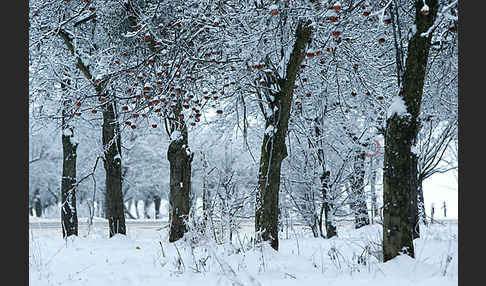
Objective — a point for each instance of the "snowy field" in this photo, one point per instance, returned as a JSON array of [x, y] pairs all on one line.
[[144, 257]]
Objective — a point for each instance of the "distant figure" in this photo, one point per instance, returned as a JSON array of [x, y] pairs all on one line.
[[432, 211], [445, 208]]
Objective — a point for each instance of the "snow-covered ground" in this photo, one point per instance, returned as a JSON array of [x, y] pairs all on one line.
[[144, 257]]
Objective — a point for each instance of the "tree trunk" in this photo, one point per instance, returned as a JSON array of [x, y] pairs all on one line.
[[69, 216], [37, 203], [432, 212], [113, 167], [421, 203], [137, 213], [327, 207], [146, 204], [374, 203], [90, 206], [180, 159], [266, 214], [315, 225], [397, 234], [401, 132], [359, 206], [205, 192], [157, 201], [274, 150], [180, 187]]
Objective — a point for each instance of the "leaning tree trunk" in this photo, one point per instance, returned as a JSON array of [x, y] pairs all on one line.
[[113, 167], [359, 207], [274, 149], [69, 216], [180, 159], [401, 132]]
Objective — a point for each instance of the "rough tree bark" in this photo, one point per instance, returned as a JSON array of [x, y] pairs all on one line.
[[274, 149], [113, 167], [69, 216], [180, 159], [401, 132]]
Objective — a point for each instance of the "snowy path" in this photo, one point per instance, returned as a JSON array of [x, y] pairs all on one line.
[[48, 224], [150, 224]]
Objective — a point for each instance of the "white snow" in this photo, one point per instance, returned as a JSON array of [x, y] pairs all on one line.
[[144, 257], [176, 135], [415, 150], [425, 8], [273, 7], [397, 107], [413, 31], [331, 13], [74, 140], [67, 132], [269, 130]]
